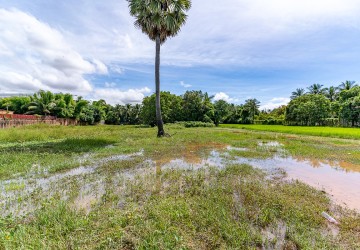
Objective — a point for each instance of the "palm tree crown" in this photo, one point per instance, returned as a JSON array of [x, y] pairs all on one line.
[[298, 92], [316, 89], [162, 18], [331, 93], [347, 85]]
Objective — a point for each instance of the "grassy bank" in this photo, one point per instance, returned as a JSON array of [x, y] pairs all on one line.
[[138, 202], [348, 133]]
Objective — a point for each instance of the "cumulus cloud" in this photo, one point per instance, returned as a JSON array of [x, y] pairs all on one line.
[[117, 96], [275, 103], [225, 97], [36, 56], [185, 85]]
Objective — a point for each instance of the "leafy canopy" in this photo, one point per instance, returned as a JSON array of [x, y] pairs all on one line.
[[162, 18]]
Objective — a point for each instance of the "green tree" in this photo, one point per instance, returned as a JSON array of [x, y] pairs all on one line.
[[170, 107], [234, 116], [316, 89], [221, 111], [80, 104], [159, 19], [65, 105], [251, 108], [331, 93], [308, 110], [42, 103], [347, 85], [350, 106], [197, 106], [298, 92]]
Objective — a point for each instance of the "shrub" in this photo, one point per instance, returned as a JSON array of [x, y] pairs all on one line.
[[194, 124]]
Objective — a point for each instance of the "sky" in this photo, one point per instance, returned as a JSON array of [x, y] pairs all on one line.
[[232, 49]]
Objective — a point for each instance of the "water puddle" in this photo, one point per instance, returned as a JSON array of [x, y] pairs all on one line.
[[21, 195], [86, 185], [230, 148], [340, 180], [343, 186]]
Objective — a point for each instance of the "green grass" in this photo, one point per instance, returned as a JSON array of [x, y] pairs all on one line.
[[237, 207], [348, 133]]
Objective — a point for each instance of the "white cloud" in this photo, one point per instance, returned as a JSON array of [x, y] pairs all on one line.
[[225, 97], [36, 56], [185, 85], [275, 103], [110, 84], [117, 69], [100, 67], [116, 96]]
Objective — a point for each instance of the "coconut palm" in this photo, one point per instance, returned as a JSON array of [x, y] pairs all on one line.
[[331, 93], [42, 103], [297, 93], [347, 85], [159, 19], [316, 89]]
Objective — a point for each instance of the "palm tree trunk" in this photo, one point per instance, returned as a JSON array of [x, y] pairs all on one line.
[[159, 120]]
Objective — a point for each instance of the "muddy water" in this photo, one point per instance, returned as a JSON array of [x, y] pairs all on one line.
[[343, 186], [20, 196], [341, 181]]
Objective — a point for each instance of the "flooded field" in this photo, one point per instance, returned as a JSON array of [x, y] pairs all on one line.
[[85, 186], [200, 188]]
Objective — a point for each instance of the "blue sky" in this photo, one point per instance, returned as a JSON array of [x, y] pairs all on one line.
[[241, 49]]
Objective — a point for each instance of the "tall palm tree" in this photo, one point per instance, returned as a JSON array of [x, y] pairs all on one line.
[[159, 19], [316, 89], [298, 92], [347, 85]]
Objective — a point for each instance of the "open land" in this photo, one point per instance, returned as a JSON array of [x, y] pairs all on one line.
[[111, 187]]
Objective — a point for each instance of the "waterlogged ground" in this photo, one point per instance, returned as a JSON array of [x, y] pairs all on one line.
[[120, 187]]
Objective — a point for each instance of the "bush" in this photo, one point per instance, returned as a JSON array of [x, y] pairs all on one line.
[[198, 124]]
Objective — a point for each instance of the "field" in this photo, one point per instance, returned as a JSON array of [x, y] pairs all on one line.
[[120, 187], [348, 133]]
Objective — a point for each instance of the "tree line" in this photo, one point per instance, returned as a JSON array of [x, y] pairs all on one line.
[[191, 106], [316, 106], [333, 106]]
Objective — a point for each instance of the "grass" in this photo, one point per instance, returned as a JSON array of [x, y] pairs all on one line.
[[348, 133], [136, 204]]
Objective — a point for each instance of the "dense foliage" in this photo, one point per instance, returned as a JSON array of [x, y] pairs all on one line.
[[333, 106]]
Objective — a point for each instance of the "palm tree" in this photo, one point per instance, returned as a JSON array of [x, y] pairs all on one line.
[[42, 103], [159, 19], [347, 85], [297, 93], [252, 106], [331, 93], [316, 89]]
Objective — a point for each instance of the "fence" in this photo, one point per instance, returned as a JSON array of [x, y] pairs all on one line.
[[17, 122], [25, 117]]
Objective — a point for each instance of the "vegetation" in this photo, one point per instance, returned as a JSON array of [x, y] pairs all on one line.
[[349, 133], [333, 106], [133, 203], [159, 20]]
